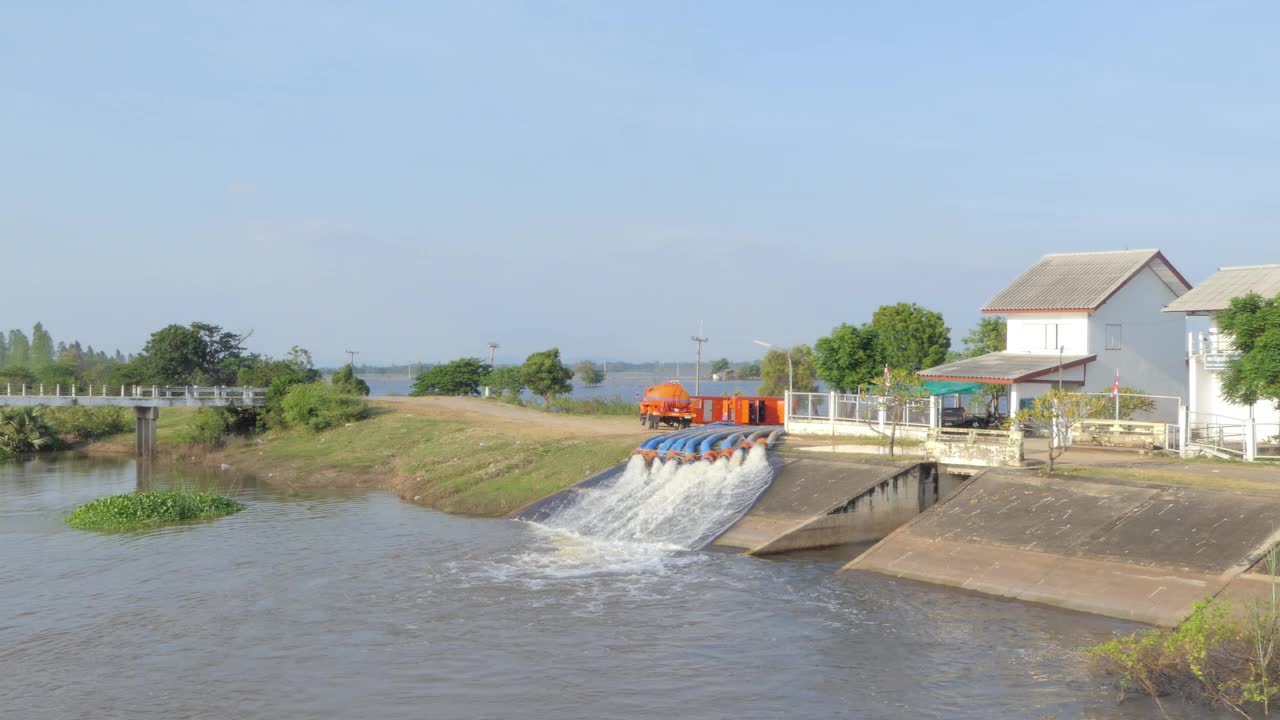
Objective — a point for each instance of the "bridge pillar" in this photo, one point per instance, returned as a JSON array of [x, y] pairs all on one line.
[[145, 436]]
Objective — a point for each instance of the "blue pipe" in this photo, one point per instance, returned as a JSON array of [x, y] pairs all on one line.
[[732, 441], [711, 440], [691, 444]]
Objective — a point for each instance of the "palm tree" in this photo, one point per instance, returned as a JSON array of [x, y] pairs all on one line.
[[23, 430]]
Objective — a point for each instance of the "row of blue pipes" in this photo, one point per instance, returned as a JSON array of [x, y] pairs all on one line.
[[700, 441]]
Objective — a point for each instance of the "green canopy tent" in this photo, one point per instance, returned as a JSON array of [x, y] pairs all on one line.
[[943, 387]]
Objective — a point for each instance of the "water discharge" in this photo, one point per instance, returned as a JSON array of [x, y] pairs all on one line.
[[668, 505]]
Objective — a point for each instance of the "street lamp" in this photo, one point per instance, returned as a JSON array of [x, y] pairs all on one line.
[[790, 386]]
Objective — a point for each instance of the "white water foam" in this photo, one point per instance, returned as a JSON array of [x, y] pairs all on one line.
[[666, 506]]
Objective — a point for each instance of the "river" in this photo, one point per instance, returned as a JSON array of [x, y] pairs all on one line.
[[357, 605]]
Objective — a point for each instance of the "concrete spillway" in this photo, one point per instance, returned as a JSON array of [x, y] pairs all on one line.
[[678, 504], [1126, 549]]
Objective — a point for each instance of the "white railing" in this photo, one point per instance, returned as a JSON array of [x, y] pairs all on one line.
[[136, 392], [1209, 343], [834, 407]]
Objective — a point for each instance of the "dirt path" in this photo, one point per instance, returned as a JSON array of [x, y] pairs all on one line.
[[513, 418]]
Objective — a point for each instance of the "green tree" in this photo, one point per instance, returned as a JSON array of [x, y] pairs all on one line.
[[911, 337], [199, 354], [463, 376], [849, 357], [4, 350], [1056, 412], [899, 392], [589, 373], [506, 382], [346, 380], [773, 371], [988, 336], [748, 371], [41, 347], [278, 376], [317, 406], [1252, 323], [719, 366], [19, 349], [545, 375]]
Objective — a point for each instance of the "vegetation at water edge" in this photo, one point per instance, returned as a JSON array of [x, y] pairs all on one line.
[[1223, 654], [149, 509]]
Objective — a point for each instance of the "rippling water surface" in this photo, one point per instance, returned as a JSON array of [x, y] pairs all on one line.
[[360, 606]]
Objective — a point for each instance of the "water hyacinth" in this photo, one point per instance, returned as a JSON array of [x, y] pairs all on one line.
[[148, 509]]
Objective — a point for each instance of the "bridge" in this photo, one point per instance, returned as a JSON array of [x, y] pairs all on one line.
[[146, 401]]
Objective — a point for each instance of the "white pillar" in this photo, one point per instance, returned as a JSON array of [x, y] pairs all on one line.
[[786, 405], [1250, 438], [933, 411], [1184, 426]]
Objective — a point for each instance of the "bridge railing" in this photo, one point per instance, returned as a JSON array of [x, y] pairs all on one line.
[[139, 392]]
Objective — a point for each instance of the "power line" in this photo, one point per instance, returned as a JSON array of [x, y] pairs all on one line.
[[697, 369], [353, 354]]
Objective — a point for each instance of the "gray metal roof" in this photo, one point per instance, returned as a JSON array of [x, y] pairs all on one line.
[[1230, 282], [1003, 367], [1081, 281]]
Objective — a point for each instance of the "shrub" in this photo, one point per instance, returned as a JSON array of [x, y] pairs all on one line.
[[346, 381], [593, 406], [24, 430], [148, 509], [87, 423], [208, 426], [319, 407], [1214, 656]]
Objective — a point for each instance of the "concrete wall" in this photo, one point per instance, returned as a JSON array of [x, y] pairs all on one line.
[[869, 515], [1153, 352], [1130, 550], [852, 428], [981, 448], [1121, 433]]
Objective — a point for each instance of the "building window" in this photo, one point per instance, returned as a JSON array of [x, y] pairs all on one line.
[[1113, 337], [1051, 336]]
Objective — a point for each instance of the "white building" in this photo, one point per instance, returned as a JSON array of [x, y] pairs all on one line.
[[1077, 319], [1209, 353]]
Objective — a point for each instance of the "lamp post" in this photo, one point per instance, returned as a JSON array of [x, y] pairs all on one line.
[[771, 346], [1060, 349]]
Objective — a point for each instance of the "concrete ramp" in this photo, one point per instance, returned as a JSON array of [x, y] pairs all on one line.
[[823, 503], [1130, 550], [540, 510]]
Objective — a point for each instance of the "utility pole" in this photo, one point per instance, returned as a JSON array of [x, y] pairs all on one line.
[[697, 368], [353, 354], [492, 346]]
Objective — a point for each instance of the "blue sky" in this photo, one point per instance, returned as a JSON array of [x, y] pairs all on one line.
[[414, 180]]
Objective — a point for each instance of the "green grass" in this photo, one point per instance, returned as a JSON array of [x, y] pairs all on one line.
[[1200, 477], [452, 465], [133, 511]]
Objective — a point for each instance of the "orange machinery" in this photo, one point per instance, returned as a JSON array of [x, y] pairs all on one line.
[[669, 404], [740, 410]]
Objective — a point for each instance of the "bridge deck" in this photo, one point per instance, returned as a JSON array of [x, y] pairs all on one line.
[[155, 396]]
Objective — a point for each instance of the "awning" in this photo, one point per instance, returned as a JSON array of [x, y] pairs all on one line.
[[1003, 368], [946, 387]]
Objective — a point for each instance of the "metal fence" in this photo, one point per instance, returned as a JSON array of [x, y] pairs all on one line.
[[1142, 408], [855, 408]]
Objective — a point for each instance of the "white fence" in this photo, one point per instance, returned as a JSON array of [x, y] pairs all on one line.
[[1227, 437], [857, 415]]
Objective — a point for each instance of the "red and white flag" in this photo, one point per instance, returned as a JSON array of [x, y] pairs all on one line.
[[1115, 386]]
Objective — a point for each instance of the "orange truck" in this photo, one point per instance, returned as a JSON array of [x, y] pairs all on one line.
[[669, 404], [666, 404]]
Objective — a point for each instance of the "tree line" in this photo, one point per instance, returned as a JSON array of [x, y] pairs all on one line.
[[543, 373]]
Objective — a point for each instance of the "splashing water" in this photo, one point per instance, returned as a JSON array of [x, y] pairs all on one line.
[[677, 506]]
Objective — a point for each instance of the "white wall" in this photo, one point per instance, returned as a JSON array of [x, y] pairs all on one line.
[[1209, 407], [1152, 354], [1026, 333]]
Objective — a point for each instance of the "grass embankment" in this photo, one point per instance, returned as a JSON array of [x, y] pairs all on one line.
[[133, 511], [463, 455]]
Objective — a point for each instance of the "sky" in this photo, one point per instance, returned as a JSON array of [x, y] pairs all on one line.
[[414, 180]]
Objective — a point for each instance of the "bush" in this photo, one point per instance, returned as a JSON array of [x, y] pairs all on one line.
[[1214, 656], [593, 406], [87, 423], [208, 427], [148, 509], [346, 381], [319, 407]]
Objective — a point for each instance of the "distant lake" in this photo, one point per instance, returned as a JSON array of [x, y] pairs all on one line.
[[622, 386]]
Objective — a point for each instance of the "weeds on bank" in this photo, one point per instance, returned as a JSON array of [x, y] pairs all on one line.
[[1215, 656], [136, 510]]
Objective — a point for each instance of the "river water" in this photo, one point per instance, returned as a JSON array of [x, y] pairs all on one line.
[[356, 605]]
